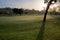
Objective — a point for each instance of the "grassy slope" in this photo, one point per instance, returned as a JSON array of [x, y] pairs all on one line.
[[27, 28]]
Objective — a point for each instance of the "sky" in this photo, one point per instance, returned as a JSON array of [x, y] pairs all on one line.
[[26, 4]]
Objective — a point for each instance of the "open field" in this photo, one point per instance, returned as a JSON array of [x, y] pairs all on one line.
[[27, 27]]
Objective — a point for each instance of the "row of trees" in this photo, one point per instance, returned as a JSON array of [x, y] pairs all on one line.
[[10, 11], [16, 11]]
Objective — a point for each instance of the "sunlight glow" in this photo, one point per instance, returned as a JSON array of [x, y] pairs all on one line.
[[42, 5]]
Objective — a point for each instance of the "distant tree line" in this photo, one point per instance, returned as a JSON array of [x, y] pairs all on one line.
[[55, 11], [18, 11], [21, 11]]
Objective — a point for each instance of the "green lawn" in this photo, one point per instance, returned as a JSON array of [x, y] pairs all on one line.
[[27, 27]]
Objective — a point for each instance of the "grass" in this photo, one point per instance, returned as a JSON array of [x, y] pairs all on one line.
[[27, 27]]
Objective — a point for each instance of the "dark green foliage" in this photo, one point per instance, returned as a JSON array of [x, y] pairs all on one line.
[[15, 10], [18, 11]]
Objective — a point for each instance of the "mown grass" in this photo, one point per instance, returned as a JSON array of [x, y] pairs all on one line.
[[27, 27]]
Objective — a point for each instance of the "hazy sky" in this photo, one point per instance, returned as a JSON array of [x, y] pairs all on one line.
[[27, 4]]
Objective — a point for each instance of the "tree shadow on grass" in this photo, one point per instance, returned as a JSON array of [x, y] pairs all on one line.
[[41, 32]]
